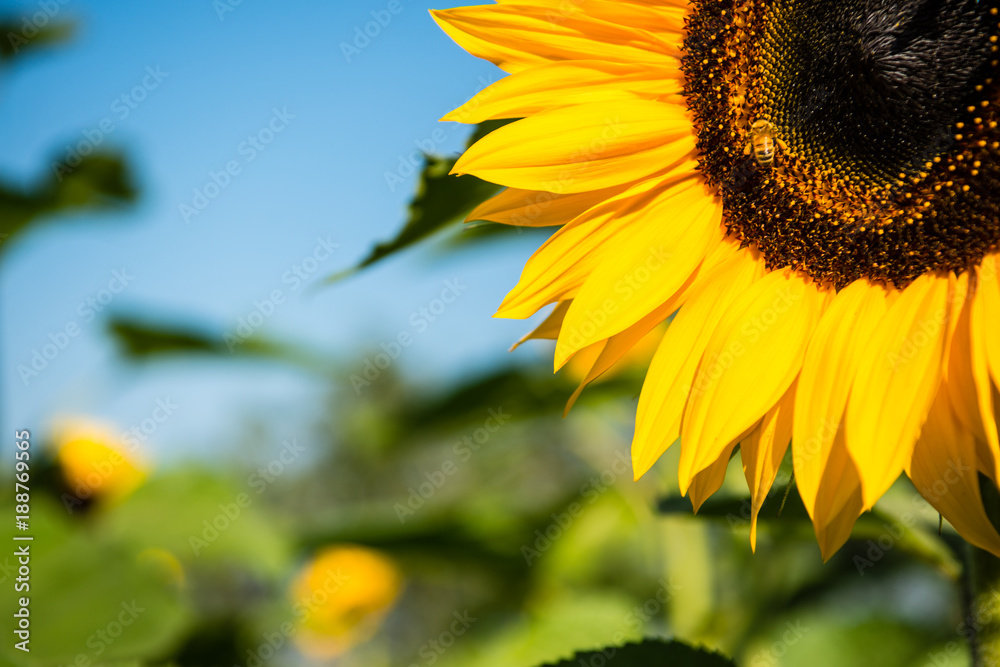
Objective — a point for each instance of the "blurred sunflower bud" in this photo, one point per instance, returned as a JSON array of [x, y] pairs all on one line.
[[95, 465], [342, 597]]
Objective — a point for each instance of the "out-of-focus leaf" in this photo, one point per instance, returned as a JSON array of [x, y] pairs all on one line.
[[905, 534], [92, 596], [21, 36], [831, 639], [99, 181], [737, 510], [441, 200], [485, 128], [203, 519], [520, 392], [140, 340], [484, 231], [441, 533], [649, 652], [143, 340], [552, 627]]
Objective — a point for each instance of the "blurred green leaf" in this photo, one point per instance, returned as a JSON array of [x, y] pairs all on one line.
[[441, 200], [485, 231], [878, 524], [99, 181], [554, 626], [145, 340], [737, 510], [648, 653], [203, 519], [826, 638], [21, 36], [523, 393], [92, 595], [140, 340]]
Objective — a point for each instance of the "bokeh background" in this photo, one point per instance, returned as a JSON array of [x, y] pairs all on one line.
[[243, 452]]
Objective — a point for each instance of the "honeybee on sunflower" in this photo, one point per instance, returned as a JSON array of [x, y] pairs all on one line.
[[810, 190]]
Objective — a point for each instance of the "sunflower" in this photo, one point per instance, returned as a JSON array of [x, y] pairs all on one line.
[[342, 596], [808, 191]]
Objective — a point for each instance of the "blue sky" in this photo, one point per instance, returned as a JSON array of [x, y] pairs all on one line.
[[309, 130]]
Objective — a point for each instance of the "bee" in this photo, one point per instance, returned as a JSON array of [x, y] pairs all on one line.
[[763, 142]]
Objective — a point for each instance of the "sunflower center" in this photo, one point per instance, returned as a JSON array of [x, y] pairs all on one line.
[[884, 118], [872, 87]]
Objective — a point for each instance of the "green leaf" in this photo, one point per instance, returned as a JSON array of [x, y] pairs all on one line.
[[92, 595], [524, 393], [145, 340], [142, 340], [441, 200], [15, 42], [211, 520], [737, 510], [648, 653], [99, 181], [484, 231], [880, 522]]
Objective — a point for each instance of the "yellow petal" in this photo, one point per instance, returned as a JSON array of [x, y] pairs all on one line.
[[583, 147], [763, 453], [548, 329], [966, 375], [671, 373], [837, 530], [750, 362], [566, 83], [621, 344], [943, 468], [643, 269], [515, 36], [898, 378], [531, 208], [980, 336], [839, 485], [829, 369], [710, 480], [989, 285], [658, 16], [557, 270]]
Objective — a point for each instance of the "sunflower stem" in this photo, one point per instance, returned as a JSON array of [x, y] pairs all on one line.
[[983, 592]]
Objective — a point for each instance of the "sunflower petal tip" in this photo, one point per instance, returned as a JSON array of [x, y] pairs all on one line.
[[640, 468], [561, 357]]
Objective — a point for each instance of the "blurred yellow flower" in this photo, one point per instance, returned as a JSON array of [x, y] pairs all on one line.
[[94, 463], [341, 597]]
